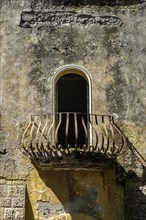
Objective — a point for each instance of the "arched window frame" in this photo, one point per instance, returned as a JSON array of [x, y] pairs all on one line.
[[69, 69]]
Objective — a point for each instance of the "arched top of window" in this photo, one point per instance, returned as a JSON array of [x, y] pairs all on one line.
[[72, 69]]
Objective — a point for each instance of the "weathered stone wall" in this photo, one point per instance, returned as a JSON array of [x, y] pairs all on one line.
[[135, 197], [107, 38]]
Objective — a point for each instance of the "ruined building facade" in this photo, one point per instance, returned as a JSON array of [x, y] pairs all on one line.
[[73, 113]]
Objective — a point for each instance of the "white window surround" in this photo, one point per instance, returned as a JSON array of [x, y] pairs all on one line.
[[67, 69]]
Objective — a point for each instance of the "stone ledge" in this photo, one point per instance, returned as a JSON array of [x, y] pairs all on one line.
[[75, 161]]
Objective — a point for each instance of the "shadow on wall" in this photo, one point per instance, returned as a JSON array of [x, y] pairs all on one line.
[[28, 208], [78, 192], [88, 2], [135, 196], [79, 205], [84, 205], [135, 188]]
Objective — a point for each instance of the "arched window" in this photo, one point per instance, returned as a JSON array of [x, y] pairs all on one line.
[[72, 99]]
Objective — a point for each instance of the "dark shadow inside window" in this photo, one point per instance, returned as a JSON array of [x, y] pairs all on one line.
[[72, 97]]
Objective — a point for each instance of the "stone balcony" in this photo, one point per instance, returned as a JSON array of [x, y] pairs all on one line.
[[72, 140]]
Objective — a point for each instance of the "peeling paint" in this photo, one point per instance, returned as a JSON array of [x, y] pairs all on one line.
[[86, 203]]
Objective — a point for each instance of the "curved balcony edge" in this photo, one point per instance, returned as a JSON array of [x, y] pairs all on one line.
[[68, 139]]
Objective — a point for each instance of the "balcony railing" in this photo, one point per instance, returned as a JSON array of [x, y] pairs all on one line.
[[67, 138]]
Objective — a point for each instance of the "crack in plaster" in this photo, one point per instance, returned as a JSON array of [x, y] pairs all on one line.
[[4, 152]]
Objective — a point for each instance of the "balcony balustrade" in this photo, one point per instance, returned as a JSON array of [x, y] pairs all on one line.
[[71, 139]]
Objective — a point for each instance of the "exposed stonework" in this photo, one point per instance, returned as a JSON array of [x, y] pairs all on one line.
[[29, 18], [12, 202]]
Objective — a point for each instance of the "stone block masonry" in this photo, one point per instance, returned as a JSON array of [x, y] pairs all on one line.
[[12, 199]]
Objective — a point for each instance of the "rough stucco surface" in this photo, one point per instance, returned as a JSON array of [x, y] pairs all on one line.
[[107, 38], [92, 195]]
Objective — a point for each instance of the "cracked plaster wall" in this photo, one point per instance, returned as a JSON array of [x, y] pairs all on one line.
[[107, 39]]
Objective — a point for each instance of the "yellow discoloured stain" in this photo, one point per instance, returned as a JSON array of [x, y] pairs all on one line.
[[55, 187]]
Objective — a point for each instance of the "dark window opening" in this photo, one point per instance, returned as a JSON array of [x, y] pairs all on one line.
[[72, 97]]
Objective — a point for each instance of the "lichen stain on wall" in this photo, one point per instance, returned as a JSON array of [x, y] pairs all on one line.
[[75, 195]]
